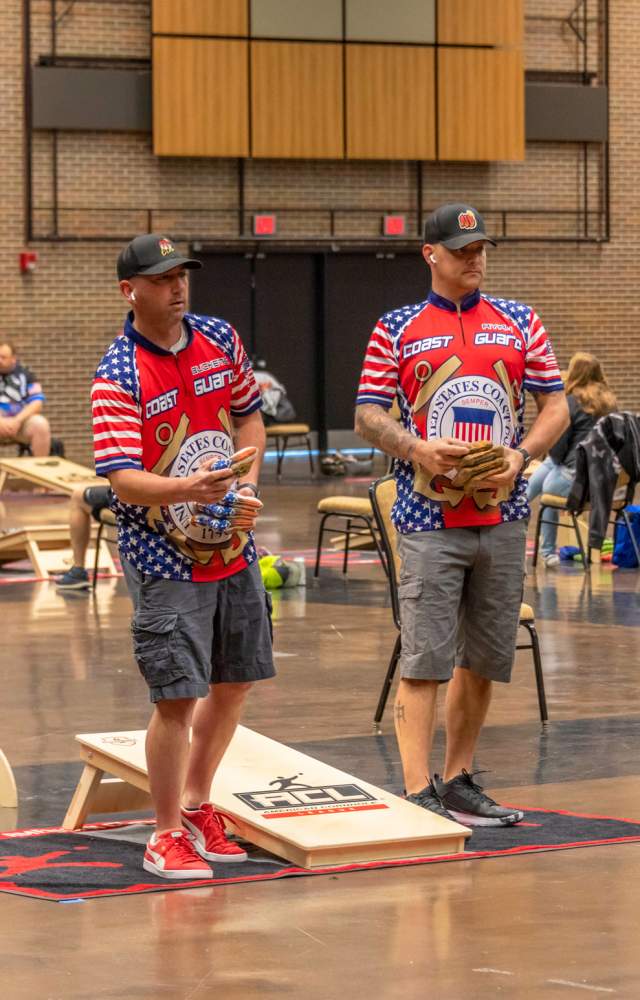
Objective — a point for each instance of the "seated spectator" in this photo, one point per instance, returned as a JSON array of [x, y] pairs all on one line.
[[21, 400], [589, 397], [86, 503]]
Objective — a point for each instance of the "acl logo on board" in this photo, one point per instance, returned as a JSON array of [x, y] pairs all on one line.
[[296, 799]]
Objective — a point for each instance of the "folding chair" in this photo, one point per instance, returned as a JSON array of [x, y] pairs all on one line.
[[281, 433], [382, 493], [107, 521], [348, 516]]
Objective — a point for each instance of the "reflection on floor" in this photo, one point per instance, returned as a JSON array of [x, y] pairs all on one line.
[[528, 927]]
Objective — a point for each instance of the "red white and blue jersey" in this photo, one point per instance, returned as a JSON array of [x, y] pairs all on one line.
[[167, 413], [461, 374]]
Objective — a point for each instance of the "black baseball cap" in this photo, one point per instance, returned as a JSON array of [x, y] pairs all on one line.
[[455, 226], [151, 254]]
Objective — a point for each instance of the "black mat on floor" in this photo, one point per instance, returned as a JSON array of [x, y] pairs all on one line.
[[106, 858]]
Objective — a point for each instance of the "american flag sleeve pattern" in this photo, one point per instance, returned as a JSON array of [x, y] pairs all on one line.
[[379, 376], [116, 413], [245, 394], [541, 368]]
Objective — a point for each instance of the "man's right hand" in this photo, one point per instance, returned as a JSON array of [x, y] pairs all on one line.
[[207, 486], [439, 455]]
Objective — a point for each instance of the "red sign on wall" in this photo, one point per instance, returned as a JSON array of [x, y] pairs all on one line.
[[264, 225], [394, 225]]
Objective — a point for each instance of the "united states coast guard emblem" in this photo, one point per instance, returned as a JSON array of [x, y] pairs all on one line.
[[471, 408], [194, 451]]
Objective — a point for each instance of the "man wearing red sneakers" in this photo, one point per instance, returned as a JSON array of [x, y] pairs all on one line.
[[175, 405]]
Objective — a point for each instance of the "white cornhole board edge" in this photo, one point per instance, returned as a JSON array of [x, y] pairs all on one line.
[[365, 824], [58, 474], [48, 547]]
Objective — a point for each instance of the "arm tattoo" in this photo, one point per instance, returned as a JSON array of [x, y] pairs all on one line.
[[398, 713], [374, 424]]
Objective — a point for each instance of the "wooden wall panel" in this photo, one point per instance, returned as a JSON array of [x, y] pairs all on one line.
[[480, 104], [200, 97], [297, 102], [481, 22], [390, 102], [200, 17]]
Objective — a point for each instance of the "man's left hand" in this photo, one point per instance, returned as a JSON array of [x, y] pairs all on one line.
[[515, 462]]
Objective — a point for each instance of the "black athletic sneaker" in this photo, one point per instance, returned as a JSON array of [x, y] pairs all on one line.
[[429, 799], [75, 578], [468, 804]]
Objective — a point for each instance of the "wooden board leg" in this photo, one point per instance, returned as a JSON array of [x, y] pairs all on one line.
[[116, 796], [81, 803], [3, 478], [8, 790], [33, 551]]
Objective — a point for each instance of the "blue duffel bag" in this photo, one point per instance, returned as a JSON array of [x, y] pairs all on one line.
[[623, 554]]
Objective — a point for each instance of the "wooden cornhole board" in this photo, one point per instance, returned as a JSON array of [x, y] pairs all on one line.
[[48, 546], [364, 543], [284, 801], [57, 474]]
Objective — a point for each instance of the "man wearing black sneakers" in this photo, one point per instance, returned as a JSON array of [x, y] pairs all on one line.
[[457, 365]]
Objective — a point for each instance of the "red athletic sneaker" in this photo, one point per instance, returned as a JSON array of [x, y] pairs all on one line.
[[171, 855], [206, 827]]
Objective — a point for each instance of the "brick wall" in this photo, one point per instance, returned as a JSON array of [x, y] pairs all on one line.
[[64, 314]]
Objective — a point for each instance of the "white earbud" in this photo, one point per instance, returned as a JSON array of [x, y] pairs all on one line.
[[132, 297], [433, 259]]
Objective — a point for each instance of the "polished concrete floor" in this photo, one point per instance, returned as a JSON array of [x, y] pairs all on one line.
[[553, 925]]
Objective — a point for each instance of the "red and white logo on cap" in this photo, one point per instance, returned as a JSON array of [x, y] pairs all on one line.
[[467, 220], [166, 247]]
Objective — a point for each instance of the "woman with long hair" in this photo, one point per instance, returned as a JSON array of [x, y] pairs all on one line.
[[589, 397]]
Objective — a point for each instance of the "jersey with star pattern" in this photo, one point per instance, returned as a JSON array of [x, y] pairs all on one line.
[[167, 412], [457, 373]]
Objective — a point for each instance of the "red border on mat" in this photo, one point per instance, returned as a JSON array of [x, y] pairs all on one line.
[[14, 889]]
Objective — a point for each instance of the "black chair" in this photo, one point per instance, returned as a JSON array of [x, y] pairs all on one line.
[[382, 494], [107, 519], [57, 448]]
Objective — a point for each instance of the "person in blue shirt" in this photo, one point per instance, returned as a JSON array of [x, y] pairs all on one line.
[[21, 404]]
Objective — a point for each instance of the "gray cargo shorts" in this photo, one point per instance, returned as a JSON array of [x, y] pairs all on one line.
[[188, 635], [460, 592]]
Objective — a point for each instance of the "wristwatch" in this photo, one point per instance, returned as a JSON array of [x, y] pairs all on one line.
[[527, 458], [250, 486]]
